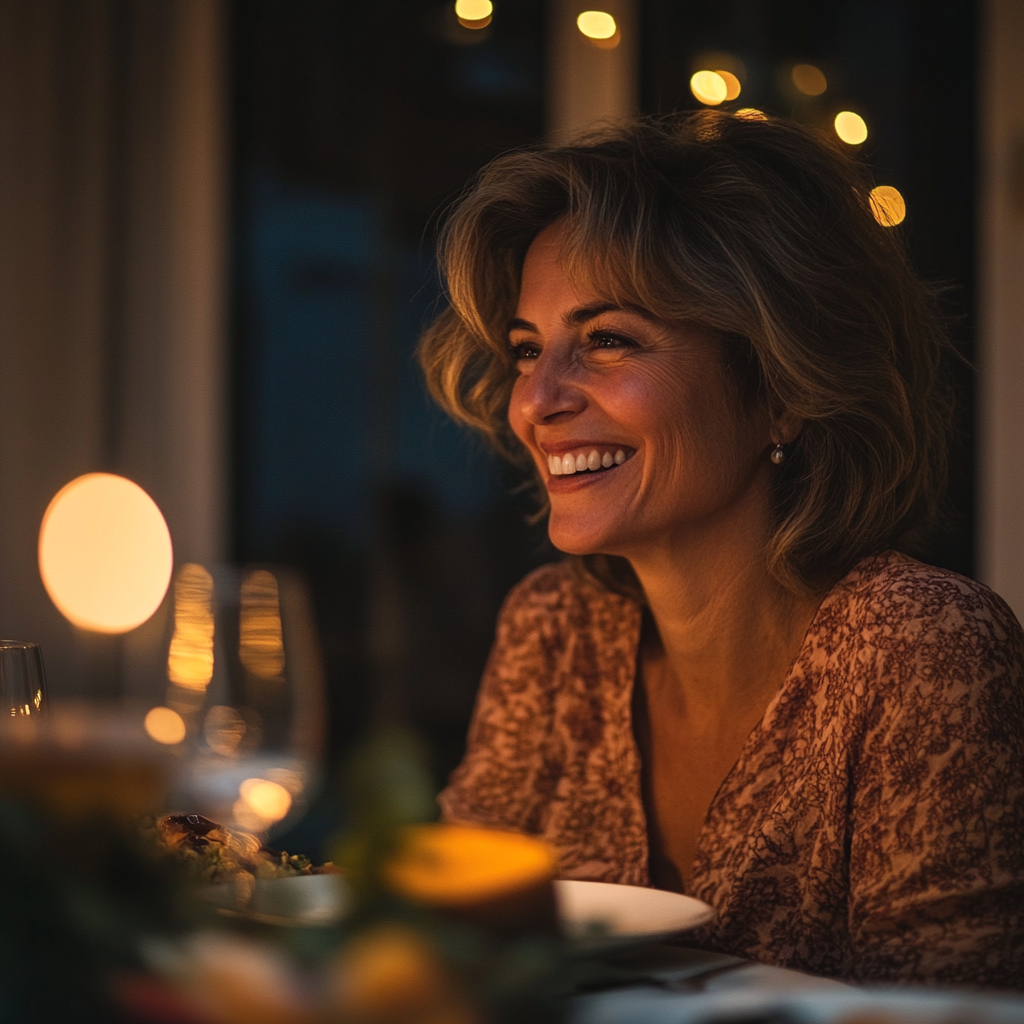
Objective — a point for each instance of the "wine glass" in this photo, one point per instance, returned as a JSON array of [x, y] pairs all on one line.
[[244, 697], [22, 679]]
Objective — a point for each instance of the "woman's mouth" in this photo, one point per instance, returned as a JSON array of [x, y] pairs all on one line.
[[588, 460]]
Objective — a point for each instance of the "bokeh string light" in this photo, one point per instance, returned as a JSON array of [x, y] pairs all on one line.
[[732, 84], [709, 87], [599, 28], [474, 14], [851, 128], [888, 206], [808, 79]]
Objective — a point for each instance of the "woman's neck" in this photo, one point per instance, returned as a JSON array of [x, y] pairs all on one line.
[[725, 631]]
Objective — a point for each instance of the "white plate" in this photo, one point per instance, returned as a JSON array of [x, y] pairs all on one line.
[[595, 915], [605, 915]]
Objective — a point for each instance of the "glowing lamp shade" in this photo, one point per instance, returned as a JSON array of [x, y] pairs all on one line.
[[850, 127], [709, 87], [105, 553]]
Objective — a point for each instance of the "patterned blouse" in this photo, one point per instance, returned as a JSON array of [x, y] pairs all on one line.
[[873, 826]]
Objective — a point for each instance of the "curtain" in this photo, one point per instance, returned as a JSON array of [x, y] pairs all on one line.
[[112, 284]]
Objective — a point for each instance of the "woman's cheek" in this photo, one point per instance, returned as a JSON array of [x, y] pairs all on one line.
[[516, 421]]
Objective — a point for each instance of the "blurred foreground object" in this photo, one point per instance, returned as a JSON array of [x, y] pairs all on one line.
[[105, 553], [386, 786], [391, 952], [80, 761], [104, 921], [82, 886], [392, 973], [496, 879]]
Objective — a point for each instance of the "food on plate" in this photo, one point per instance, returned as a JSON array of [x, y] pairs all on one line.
[[219, 854]]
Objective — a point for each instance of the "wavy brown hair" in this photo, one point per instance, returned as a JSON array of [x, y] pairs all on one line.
[[763, 231]]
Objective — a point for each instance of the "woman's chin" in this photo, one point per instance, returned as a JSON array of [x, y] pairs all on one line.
[[574, 539]]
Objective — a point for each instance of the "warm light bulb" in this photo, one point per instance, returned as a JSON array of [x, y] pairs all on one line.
[[165, 725], [596, 25], [105, 553], [267, 799], [473, 10], [709, 87], [887, 205], [850, 127], [732, 84], [809, 79]]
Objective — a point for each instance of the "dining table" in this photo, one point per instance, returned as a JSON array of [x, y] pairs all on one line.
[[664, 983]]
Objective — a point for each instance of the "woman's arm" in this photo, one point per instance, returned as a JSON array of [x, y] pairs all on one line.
[[506, 777], [937, 854]]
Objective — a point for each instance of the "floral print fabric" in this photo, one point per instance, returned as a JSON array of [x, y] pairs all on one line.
[[872, 828]]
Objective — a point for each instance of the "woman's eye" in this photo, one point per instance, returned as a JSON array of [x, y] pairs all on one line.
[[525, 350], [604, 341]]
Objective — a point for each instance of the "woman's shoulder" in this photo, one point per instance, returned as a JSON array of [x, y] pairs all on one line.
[[563, 591], [890, 592], [923, 621]]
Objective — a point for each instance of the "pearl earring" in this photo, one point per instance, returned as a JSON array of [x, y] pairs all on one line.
[[778, 455]]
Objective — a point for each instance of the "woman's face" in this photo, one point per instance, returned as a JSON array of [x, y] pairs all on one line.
[[638, 432]]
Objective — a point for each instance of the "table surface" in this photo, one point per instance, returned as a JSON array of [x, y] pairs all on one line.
[[668, 984]]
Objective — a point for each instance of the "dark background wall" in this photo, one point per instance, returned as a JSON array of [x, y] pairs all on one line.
[[356, 123]]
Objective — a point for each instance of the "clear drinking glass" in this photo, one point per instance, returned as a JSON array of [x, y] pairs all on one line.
[[22, 679], [245, 688]]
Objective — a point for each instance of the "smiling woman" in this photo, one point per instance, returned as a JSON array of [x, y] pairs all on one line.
[[729, 388], [596, 380]]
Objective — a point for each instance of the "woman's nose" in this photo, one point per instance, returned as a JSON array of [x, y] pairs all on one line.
[[547, 393]]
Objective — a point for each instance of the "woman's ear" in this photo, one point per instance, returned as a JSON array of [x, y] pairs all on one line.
[[786, 427]]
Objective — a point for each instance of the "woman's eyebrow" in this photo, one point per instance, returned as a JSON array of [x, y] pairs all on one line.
[[518, 324], [580, 315]]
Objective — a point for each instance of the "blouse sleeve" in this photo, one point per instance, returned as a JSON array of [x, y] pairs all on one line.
[[937, 857], [511, 763]]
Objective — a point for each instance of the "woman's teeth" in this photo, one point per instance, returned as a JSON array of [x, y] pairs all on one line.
[[566, 465]]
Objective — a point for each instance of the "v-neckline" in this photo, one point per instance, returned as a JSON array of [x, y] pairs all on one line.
[[749, 742]]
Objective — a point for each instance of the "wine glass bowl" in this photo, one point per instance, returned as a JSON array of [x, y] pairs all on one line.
[[244, 694]]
